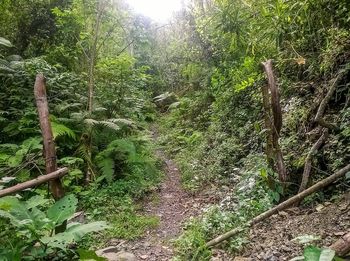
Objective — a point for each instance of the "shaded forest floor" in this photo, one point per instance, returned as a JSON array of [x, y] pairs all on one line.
[[172, 205], [272, 239]]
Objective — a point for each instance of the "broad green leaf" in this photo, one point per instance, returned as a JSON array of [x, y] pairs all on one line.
[[5, 42], [327, 254], [87, 255], [19, 214], [36, 201], [60, 240], [312, 253], [79, 230], [347, 175], [7, 179], [62, 209], [74, 233]]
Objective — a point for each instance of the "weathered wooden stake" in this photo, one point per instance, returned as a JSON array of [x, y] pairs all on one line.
[[48, 140], [276, 123]]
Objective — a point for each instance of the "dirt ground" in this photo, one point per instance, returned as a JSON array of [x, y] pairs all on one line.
[[272, 239], [173, 206]]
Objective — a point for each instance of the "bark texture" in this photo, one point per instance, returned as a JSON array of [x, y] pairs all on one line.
[[46, 131], [274, 125], [342, 245]]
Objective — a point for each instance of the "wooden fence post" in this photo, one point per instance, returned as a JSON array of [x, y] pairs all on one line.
[[48, 139]]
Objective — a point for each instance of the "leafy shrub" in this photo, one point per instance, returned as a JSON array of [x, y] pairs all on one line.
[[34, 236]]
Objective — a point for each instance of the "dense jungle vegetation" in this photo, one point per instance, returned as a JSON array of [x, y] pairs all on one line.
[[104, 65]]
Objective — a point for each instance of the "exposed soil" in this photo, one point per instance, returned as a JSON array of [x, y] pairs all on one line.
[[173, 206], [272, 239]]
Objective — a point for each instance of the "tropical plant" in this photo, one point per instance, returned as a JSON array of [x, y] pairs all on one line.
[[35, 236]]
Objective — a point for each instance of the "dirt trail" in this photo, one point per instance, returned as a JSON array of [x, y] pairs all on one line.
[[173, 206]]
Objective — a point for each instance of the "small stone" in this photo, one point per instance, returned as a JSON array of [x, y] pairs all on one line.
[[339, 233], [111, 255], [110, 249], [343, 207], [319, 207], [144, 257]]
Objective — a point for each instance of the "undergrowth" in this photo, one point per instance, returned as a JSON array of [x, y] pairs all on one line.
[[117, 202]]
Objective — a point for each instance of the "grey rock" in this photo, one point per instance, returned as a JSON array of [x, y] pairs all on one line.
[[112, 254]]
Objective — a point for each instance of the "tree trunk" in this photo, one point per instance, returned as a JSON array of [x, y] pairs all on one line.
[[101, 5], [275, 97], [326, 99], [34, 182], [289, 202]]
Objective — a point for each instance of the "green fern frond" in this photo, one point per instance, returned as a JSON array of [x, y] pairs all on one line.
[[106, 124], [106, 165], [100, 109], [5, 66], [122, 122], [60, 130], [71, 106], [90, 122], [123, 146], [79, 116]]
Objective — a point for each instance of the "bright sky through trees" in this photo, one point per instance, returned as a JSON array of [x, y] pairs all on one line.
[[158, 10]]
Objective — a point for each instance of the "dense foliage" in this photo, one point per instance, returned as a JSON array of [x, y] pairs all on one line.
[[216, 131], [103, 64], [99, 97]]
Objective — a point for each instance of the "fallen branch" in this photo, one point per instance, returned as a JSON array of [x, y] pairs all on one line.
[[321, 109], [34, 182], [342, 245], [289, 202], [308, 161]]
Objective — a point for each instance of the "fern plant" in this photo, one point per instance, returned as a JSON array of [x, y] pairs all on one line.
[[114, 157], [35, 237], [124, 157]]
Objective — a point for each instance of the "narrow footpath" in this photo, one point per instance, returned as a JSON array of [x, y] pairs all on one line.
[[172, 205]]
